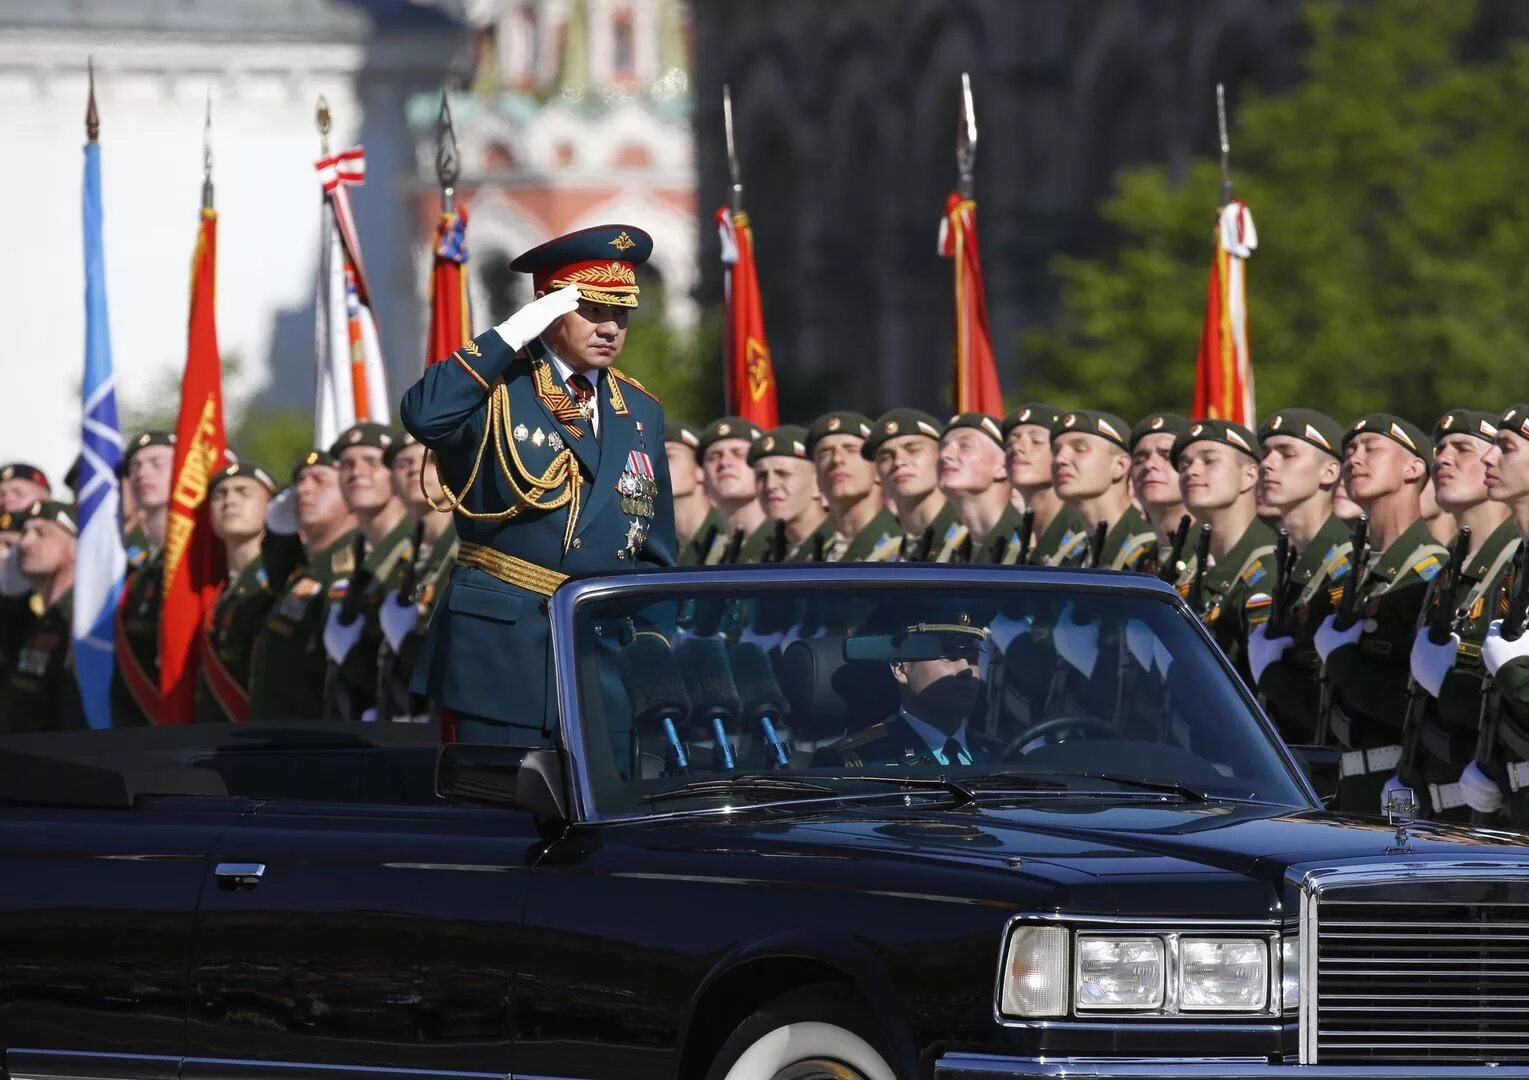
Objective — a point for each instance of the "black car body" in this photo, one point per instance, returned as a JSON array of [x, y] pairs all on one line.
[[225, 902]]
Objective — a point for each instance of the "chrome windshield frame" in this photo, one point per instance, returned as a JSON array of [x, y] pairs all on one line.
[[565, 602]]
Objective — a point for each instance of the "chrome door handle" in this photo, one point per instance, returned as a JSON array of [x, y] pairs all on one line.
[[240, 875]]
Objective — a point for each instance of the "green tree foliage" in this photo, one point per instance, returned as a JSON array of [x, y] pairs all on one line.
[[1393, 265], [683, 368]]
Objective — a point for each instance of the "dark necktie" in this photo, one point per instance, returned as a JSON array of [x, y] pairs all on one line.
[[584, 393], [952, 751]]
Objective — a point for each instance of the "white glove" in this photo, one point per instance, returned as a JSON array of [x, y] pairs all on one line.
[[12, 581], [1139, 642], [1497, 650], [369, 715], [1330, 639], [1430, 662], [1003, 630], [339, 639], [536, 316], [1393, 784], [1480, 791], [398, 619], [1263, 650], [281, 514], [1077, 643]]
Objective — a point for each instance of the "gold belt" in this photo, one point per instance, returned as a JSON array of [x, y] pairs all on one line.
[[509, 569]]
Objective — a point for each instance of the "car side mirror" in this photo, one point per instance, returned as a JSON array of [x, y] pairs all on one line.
[[526, 778], [1322, 766]]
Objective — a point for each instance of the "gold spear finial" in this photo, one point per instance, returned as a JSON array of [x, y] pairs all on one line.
[[92, 118], [448, 163]]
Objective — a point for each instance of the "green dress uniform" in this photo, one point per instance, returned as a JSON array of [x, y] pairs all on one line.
[[1064, 542], [880, 541], [1291, 686], [707, 538], [287, 663], [226, 643], [1226, 588], [395, 668], [575, 482], [41, 693], [351, 685], [135, 695], [713, 541]]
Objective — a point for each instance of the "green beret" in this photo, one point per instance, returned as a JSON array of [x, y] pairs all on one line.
[[1037, 412], [20, 470], [677, 431], [1092, 422], [1218, 431], [60, 513], [1475, 422], [402, 440], [142, 442], [237, 468], [1162, 423], [1308, 425], [977, 422], [839, 422], [1516, 420], [729, 427], [899, 422], [1402, 432], [312, 458], [13, 520], [366, 433], [788, 440]]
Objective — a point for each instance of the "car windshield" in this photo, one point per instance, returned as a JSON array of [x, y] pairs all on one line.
[[754, 692]]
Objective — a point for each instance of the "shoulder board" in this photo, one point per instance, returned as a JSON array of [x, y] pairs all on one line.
[[864, 736], [1427, 568], [885, 549], [624, 377], [1134, 548], [262, 578], [1251, 575]]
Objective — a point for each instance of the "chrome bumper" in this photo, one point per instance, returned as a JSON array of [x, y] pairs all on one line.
[[996, 1067]]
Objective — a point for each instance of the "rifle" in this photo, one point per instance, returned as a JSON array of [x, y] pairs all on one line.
[[1512, 629], [734, 546], [1026, 535], [777, 549], [704, 542], [1096, 544], [337, 695], [408, 581], [1202, 559], [1284, 568], [1169, 572], [925, 545], [1343, 618], [819, 546], [1439, 624], [963, 552]]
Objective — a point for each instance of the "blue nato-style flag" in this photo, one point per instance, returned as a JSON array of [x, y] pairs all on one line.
[[100, 563]]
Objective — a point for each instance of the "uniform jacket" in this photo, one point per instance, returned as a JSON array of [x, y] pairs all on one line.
[[287, 662]]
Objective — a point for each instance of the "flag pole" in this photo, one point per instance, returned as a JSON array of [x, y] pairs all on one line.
[[735, 207], [1225, 144], [448, 163], [966, 139], [207, 156]]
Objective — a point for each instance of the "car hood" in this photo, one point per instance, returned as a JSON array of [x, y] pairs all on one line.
[[1216, 859]]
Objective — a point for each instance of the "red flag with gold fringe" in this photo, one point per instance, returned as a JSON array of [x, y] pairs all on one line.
[[976, 371], [750, 370], [1224, 365], [450, 312], [193, 560]]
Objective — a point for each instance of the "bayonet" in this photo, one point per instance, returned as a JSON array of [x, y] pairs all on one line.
[[735, 196], [966, 138], [448, 162], [1225, 145], [207, 156]]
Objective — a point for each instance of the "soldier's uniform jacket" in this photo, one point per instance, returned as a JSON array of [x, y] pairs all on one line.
[[1225, 587], [41, 693], [1511, 686], [894, 742], [135, 545], [1369, 680], [288, 663], [942, 529], [135, 696], [880, 541], [569, 504], [225, 644], [1001, 545], [704, 541], [1291, 685], [352, 685], [1128, 544], [396, 669], [1064, 541], [1458, 706]]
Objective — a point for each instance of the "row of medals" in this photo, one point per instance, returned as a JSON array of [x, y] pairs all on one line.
[[637, 494]]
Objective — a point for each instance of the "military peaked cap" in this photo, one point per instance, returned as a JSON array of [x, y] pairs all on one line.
[[788, 440], [602, 261], [1402, 432], [839, 422], [1092, 422], [1162, 423], [1218, 431], [897, 423], [1039, 413], [1308, 425], [1475, 422], [977, 422]]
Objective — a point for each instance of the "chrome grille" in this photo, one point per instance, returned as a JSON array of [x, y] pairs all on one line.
[[1417, 979]]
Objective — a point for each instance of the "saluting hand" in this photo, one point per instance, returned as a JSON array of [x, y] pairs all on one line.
[[536, 316]]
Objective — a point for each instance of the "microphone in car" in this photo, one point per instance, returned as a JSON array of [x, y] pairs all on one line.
[[656, 690], [713, 695], [763, 702]]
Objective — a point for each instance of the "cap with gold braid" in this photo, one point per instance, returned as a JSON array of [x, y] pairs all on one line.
[[602, 261]]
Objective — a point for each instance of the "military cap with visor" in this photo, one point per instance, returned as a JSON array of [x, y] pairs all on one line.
[[601, 260], [1516, 420], [677, 431], [897, 423], [20, 470], [367, 433], [788, 440], [1477, 422], [838, 422], [935, 632], [977, 421], [1404, 433], [312, 458], [1224, 432], [143, 441], [1161, 423], [1041, 413], [60, 513], [245, 469], [1307, 425], [727, 427], [1107, 426]]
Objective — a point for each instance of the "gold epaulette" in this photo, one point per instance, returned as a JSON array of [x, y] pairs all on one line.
[[624, 377], [863, 736]]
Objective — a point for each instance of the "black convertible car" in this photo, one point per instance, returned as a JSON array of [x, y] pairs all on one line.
[[790, 822]]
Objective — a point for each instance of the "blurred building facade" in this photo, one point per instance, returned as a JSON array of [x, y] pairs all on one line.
[[846, 112]]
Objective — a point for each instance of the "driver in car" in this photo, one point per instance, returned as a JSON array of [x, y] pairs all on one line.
[[936, 666]]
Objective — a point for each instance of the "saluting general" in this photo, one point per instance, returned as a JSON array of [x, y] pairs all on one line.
[[553, 463]]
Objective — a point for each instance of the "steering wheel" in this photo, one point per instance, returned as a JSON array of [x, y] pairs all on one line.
[[1093, 726]]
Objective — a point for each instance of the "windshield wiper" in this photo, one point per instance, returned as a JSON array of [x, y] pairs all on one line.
[[742, 784], [1144, 783], [962, 793]]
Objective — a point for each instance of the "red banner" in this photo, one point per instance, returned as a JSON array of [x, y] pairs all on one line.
[[976, 371], [750, 371], [194, 563], [1224, 365], [450, 316]]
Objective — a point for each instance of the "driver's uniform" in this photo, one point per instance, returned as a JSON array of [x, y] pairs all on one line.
[[904, 740]]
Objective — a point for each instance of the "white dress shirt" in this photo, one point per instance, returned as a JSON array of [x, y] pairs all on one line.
[[564, 372]]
